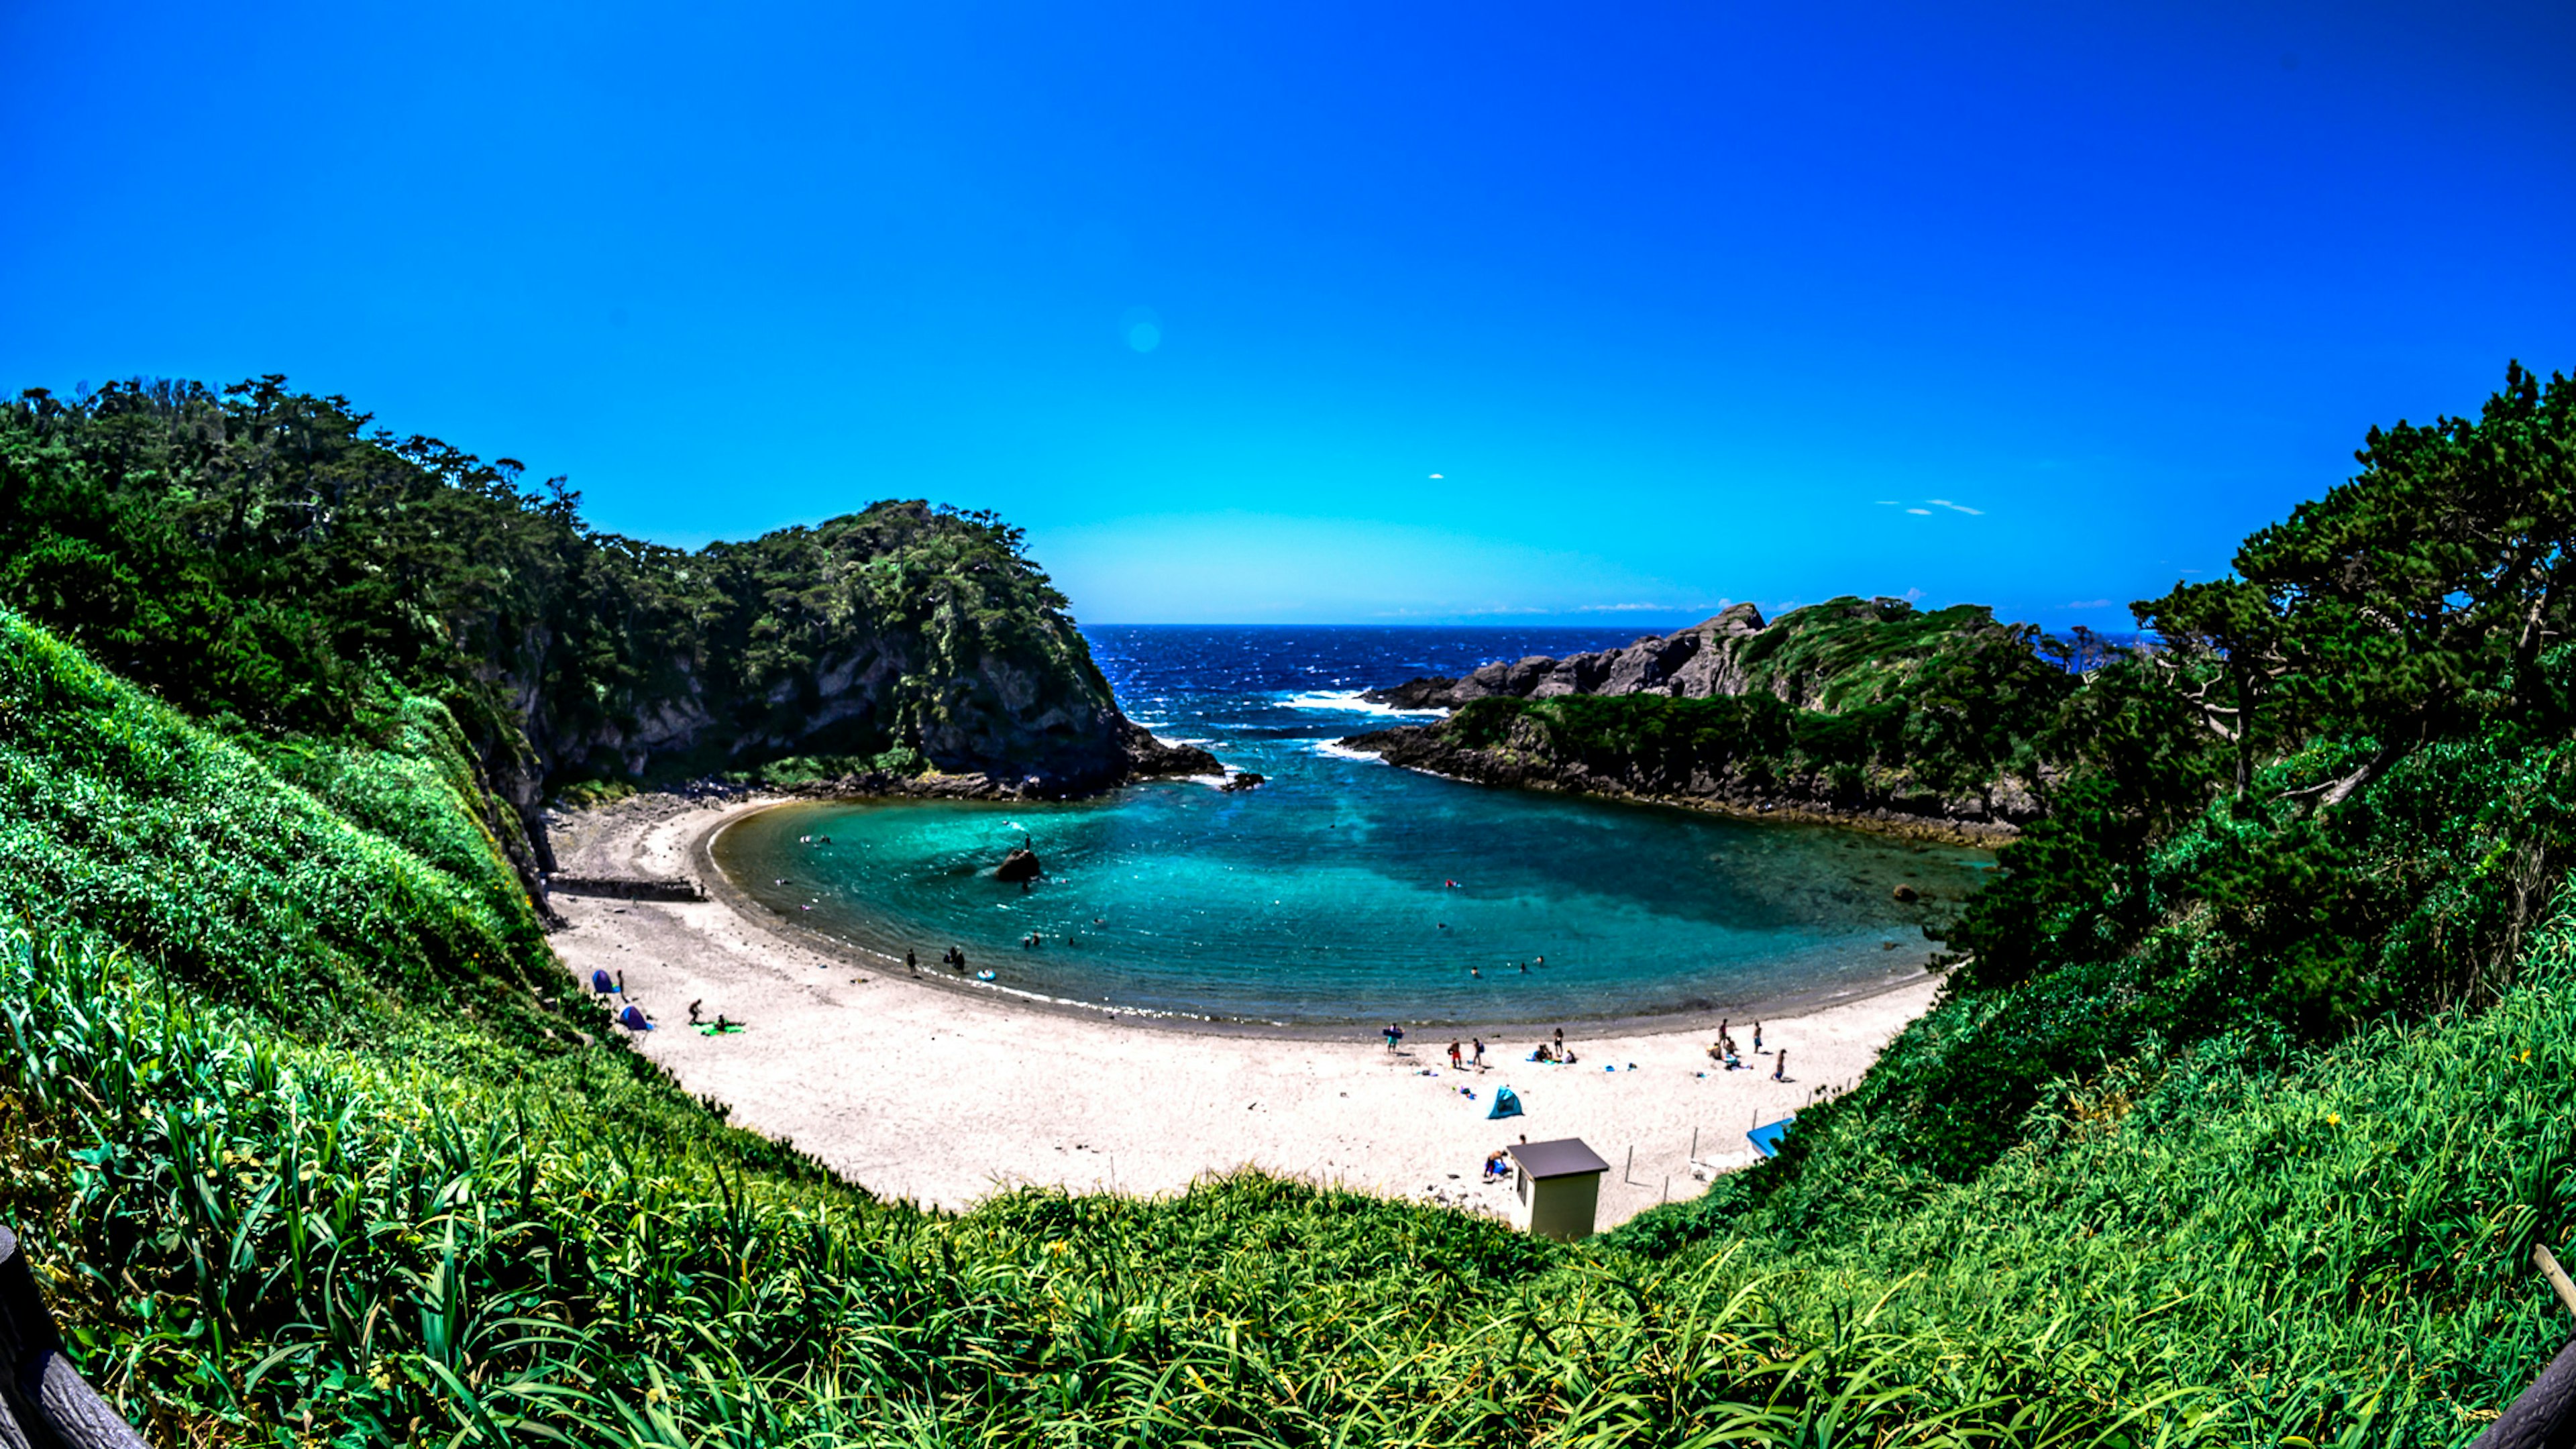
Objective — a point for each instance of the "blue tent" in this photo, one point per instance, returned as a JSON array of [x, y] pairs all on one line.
[[1507, 1103], [1766, 1138]]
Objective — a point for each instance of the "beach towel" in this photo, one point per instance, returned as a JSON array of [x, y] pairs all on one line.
[[1507, 1103], [728, 1029]]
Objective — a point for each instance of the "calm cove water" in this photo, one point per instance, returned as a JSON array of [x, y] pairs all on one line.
[[1327, 895]]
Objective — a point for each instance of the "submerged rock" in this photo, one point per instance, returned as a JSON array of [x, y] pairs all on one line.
[[1245, 781]]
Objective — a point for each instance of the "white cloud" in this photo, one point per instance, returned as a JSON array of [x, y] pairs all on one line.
[[2090, 604], [1435, 475], [1956, 507], [1920, 512], [1887, 503]]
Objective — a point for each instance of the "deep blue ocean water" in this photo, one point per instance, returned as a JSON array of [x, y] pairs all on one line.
[[1345, 890]]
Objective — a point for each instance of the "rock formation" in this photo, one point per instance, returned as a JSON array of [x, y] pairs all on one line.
[[1820, 731]]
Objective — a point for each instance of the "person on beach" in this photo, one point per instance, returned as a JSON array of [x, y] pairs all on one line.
[[1453, 1056], [1757, 1038], [911, 962], [1543, 1054], [1780, 1066], [693, 1010], [1480, 1053]]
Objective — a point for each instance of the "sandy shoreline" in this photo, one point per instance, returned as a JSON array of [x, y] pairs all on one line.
[[931, 1093]]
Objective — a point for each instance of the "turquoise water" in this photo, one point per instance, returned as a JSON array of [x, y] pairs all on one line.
[[1324, 896]]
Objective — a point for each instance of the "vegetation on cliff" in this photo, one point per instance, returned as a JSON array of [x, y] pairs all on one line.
[[265, 561], [1852, 708]]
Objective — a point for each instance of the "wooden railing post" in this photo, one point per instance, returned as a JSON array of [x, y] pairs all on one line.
[[43, 1402]]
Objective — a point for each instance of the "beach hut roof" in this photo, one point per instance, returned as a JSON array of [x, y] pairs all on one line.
[[1564, 1157]]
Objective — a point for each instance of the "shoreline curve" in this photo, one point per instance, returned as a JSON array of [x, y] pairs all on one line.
[[947, 1097]]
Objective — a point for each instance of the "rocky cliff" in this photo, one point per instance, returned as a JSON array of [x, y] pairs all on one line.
[[897, 641], [1858, 710], [267, 562]]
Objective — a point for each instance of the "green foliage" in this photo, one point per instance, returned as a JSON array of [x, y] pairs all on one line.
[[1850, 704], [261, 557], [117, 815]]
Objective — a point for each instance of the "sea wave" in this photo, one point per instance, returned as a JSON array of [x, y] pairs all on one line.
[[1348, 701], [1336, 750]]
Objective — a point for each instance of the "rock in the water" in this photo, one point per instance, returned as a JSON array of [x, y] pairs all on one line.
[[1020, 864], [1245, 781], [1908, 894]]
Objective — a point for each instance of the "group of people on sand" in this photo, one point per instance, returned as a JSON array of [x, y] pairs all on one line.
[[1723, 1052], [632, 1015], [1459, 1061]]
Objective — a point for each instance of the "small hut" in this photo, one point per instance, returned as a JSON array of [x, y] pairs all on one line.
[[1556, 1187]]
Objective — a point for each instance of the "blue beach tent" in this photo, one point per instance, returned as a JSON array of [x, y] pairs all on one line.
[[1507, 1103], [1766, 1138]]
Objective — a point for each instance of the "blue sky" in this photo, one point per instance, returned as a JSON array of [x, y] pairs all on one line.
[[1681, 305]]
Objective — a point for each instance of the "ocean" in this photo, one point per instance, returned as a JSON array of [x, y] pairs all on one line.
[[1344, 891]]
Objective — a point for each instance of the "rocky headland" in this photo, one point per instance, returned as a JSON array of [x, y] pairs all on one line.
[[1857, 711]]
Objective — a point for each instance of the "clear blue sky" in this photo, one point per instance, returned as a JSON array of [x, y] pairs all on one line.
[[1685, 304]]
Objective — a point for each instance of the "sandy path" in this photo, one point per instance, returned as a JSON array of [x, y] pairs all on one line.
[[929, 1093]]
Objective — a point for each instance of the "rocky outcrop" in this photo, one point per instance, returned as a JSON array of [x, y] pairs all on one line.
[[1705, 659], [1531, 758], [1020, 864], [1834, 684], [917, 645]]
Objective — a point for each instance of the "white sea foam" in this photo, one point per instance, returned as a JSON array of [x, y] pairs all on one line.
[[1336, 750], [1348, 701]]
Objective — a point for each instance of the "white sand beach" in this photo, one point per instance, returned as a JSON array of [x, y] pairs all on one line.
[[932, 1093]]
